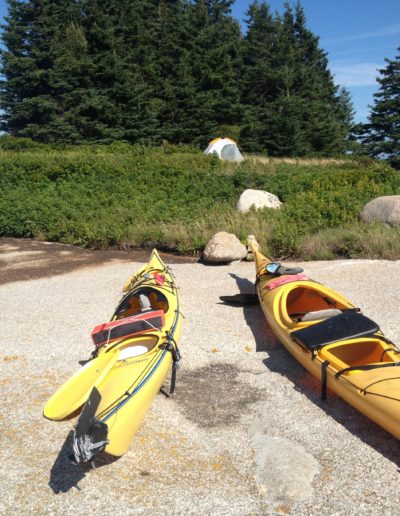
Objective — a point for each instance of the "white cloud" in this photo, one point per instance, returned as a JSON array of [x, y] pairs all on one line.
[[355, 74], [382, 32]]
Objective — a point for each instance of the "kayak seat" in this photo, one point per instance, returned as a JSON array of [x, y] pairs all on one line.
[[347, 325]]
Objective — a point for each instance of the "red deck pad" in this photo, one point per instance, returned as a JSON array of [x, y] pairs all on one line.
[[285, 279], [159, 278]]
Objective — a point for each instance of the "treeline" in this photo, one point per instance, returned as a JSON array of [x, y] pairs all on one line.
[[147, 71]]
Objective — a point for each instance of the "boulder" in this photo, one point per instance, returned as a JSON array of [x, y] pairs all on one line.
[[224, 248], [382, 209], [259, 199]]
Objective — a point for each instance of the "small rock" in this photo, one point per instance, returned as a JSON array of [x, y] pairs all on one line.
[[382, 209], [224, 248], [258, 199], [284, 469]]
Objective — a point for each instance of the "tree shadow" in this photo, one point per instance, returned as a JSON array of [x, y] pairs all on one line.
[[280, 361], [64, 475]]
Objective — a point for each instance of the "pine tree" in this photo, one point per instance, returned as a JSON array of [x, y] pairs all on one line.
[[381, 135], [118, 102], [215, 69], [293, 107], [32, 89], [70, 76], [145, 70], [172, 83], [328, 110], [259, 76]]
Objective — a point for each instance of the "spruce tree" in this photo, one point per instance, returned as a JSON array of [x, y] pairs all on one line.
[[171, 81], [117, 105], [179, 70], [328, 110], [293, 107], [33, 89], [70, 75], [215, 69], [259, 76], [381, 135]]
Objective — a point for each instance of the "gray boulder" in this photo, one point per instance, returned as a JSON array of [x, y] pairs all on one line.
[[382, 209], [224, 248], [259, 199]]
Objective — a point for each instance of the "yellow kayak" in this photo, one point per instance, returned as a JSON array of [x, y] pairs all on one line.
[[132, 357], [332, 339]]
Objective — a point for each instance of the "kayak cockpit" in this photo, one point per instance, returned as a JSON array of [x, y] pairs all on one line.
[[347, 341], [358, 352], [308, 301], [302, 303], [132, 303]]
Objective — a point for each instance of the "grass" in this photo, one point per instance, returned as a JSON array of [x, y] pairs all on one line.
[[176, 198], [375, 241]]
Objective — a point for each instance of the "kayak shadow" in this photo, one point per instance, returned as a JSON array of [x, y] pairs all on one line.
[[64, 475], [254, 316], [282, 362]]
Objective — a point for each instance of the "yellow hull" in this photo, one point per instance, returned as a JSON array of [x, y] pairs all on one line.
[[360, 369], [129, 372]]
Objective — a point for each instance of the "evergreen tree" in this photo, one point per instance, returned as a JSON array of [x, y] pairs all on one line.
[[69, 75], [118, 101], [293, 107], [259, 77], [145, 70], [381, 135], [215, 69], [171, 80], [33, 86], [328, 111]]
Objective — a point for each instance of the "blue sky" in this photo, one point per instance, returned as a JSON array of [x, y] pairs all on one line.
[[357, 34]]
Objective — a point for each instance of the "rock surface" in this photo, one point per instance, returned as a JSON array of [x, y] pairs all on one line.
[[224, 248], [283, 469], [382, 209], [259, 199], [246, 432]]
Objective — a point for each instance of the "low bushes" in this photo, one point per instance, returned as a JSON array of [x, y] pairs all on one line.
[[176, 198]]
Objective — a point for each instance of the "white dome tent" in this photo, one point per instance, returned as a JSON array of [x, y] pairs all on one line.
[[225, 148]]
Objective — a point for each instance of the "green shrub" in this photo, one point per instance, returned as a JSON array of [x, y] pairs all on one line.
[[375, 241], [176, 198], [18, 144]]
